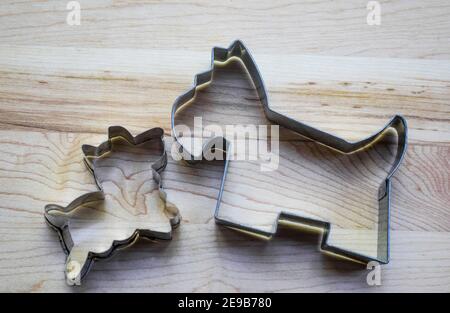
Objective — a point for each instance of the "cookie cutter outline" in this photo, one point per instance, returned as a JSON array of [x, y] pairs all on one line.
[[238, 50], [76, 269]]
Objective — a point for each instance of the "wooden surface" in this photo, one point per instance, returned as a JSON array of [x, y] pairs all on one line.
[[61, 86]]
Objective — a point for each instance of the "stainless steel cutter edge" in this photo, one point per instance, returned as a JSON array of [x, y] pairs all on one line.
[[61, 223], [238, 50]]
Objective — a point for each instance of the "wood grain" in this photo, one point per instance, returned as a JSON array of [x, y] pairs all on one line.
[[136, 88], [42, 167], [409, 29], [62, 86]]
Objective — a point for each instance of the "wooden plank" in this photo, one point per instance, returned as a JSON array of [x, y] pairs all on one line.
[[41, 167], [409, 29], [86, 90], [208, 258]]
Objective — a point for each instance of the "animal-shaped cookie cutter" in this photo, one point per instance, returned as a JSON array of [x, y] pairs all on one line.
[[80, 259], [397, 123]]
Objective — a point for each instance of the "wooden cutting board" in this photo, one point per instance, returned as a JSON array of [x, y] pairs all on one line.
[[61, 86]]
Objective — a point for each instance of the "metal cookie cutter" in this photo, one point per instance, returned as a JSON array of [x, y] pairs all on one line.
[[397, 123], [110, 230]]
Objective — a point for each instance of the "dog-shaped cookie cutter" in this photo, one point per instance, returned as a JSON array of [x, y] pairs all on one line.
[[238, 50]]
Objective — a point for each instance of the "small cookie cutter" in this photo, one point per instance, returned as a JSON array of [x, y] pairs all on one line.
[[238, 50], [78, 265]]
